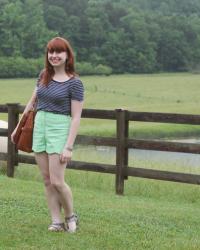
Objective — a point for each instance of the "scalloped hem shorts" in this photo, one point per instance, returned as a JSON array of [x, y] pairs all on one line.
[[50, 132]]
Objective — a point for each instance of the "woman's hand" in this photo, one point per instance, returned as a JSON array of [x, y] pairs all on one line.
[[28, 107], [25, 113], [66, 156]]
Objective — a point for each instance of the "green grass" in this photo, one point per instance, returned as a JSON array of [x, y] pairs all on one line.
[[139, 220], [171, 93], [155, 215]]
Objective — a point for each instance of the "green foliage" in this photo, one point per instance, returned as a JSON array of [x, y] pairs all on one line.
[[23, 30], [103, 70], [136, 36], [14, 67], [85, 68]]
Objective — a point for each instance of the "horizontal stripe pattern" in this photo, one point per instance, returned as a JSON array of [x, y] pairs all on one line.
[[56, 96]]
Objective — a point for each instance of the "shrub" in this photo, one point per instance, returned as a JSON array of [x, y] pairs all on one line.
[[86, 68], [15, 67], [103, 70]]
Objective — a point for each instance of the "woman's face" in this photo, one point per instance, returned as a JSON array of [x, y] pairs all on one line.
[[57, 59]]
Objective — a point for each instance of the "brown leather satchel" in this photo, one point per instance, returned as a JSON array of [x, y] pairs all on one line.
[[24, 135]]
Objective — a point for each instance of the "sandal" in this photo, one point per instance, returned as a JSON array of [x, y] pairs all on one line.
[[57, 227], [73, 218]]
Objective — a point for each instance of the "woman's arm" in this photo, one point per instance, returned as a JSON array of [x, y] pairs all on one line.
[[28, 107], [30, 103], [76, 110]]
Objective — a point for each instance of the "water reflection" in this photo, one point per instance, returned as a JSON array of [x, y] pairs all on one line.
[[108, 155]]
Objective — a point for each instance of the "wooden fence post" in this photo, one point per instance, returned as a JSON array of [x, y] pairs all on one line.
[[13, 116], [121, 150]]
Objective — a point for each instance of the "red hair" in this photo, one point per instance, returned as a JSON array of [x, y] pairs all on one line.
[[58, 44]]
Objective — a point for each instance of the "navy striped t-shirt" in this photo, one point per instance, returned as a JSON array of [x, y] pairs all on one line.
[[56, 96]]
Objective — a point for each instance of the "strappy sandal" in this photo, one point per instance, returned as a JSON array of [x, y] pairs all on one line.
[[57, 227], [73, 218]]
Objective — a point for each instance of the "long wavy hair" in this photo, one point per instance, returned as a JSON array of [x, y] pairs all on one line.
[[57, 44]]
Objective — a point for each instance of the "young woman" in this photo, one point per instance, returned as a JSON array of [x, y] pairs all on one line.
[[59, 98]]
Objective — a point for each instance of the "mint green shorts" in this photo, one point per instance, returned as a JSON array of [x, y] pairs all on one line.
[[50, 132]]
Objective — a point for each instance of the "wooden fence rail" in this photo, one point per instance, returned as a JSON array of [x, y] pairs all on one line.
[[121, 142]]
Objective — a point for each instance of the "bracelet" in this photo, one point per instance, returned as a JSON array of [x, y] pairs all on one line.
[[69, 148]]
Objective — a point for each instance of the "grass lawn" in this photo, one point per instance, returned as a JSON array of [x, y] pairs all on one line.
[[146, 217], [171, 93], [152, 214]]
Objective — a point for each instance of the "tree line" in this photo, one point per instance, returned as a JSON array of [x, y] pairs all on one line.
[[134, 36]]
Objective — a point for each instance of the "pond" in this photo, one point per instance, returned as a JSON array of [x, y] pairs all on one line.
[[171, 161]]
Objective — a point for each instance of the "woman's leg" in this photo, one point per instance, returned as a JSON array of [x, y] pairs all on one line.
[[56, 171], [51, 192]]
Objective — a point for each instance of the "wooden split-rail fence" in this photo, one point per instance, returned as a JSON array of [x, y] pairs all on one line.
[[122, 142]]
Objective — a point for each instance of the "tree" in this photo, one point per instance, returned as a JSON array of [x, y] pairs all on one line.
[[127, 35], [23, 30], [36, 34], [11, 20]]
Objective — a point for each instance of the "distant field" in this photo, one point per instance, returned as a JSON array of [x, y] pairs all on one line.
[[175, 93]]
